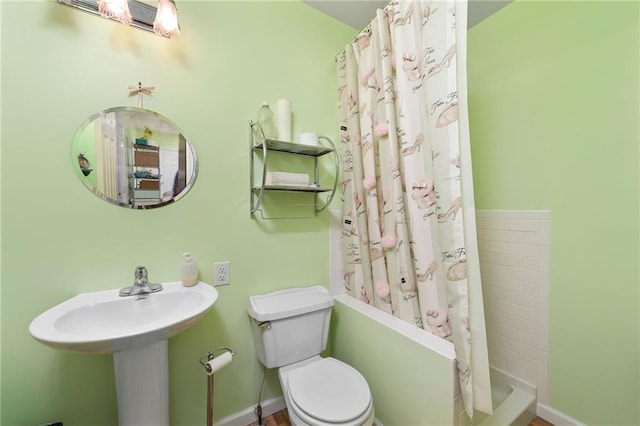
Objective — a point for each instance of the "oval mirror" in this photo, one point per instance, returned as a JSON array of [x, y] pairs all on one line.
[[134, 157]]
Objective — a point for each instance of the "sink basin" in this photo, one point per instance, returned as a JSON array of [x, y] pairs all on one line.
[[104, 322]]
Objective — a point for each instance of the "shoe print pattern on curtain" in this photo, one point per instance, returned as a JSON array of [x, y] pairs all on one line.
[[402, 227]]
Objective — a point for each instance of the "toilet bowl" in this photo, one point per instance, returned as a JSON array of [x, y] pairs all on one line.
[[326, 391], [290, 328]]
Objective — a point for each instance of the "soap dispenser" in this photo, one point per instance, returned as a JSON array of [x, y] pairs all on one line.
[[189, 270]]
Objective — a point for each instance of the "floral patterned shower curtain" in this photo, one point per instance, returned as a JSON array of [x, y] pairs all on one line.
[[404, 154]]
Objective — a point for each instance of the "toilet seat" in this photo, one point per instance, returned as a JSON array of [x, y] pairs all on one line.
[[329, 392]]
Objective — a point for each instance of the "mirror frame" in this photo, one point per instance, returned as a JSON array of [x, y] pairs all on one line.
[[134, 138]]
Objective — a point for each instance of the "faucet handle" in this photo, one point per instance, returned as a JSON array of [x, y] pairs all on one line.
[[141, 285], [141, 275]]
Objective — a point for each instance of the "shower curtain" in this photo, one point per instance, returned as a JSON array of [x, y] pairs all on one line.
[[408, 220]]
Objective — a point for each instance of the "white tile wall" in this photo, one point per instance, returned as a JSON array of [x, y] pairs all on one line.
[[514, 264]]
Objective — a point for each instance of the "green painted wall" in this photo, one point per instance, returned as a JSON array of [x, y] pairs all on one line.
[[554, 107], [59, 66]]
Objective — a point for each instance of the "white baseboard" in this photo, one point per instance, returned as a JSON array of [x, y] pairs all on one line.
[[248, 416], [556, 417]]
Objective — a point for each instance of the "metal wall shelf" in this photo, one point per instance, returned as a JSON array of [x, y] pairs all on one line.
[[293, 148], [292, 188], [259, 145], [144, 176]]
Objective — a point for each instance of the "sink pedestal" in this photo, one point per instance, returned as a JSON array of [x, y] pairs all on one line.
[[142, 384]]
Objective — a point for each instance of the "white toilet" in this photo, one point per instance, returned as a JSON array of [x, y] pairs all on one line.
[[291, 328]]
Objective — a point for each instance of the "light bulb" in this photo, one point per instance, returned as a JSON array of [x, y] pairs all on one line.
[[166, 22]]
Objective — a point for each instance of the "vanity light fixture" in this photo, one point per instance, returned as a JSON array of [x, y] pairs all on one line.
[[162, 20]]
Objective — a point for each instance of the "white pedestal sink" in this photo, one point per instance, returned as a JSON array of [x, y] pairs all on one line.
[[136, 329]]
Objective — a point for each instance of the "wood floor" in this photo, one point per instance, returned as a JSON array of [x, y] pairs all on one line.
[[539, 421], [281, 418]]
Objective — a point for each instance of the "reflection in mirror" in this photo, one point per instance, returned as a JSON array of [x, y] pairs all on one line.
[[85, 165], [140, 159]]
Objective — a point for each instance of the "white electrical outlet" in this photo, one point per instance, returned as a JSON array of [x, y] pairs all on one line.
[[221, 273]]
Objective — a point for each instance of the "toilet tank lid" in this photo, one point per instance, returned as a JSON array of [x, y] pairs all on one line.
[[289, 302]]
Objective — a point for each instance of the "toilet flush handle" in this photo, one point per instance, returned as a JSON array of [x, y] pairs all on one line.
[[266, 325]]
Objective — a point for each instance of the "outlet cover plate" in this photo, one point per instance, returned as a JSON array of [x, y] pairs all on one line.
[[221, 273]]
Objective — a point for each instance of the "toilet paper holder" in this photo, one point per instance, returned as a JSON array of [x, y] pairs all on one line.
[[204, 361], [207, 361]]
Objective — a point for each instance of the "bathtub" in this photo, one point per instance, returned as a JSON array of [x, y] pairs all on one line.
[[412, 373]]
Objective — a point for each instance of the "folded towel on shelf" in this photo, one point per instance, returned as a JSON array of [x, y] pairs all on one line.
[[287, 178]]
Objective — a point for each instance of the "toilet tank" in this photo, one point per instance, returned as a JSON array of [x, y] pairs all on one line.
[[290, 325]]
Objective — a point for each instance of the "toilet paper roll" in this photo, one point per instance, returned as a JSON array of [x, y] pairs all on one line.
[[309, 139], [284, 120], [218, 362]]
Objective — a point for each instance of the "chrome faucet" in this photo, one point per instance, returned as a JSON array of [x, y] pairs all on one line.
[[141, 284]]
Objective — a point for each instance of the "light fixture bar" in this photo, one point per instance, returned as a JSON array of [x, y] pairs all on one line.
[[142, 14]]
